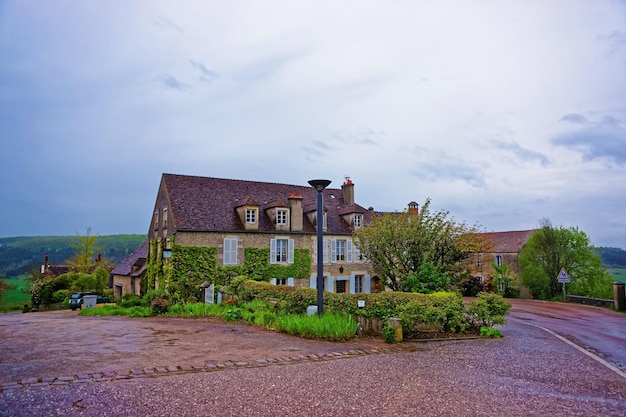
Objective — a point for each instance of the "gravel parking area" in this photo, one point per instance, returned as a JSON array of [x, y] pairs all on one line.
[[526, 373]]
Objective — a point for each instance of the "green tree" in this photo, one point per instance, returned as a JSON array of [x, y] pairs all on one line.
[[404, 247], [552, 248], [86, 251], [503, 283]]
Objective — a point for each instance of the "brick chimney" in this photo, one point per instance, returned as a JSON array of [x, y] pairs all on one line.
[[348, 192], [413, 208], [295, 208]]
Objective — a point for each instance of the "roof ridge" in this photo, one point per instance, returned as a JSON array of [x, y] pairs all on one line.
[[240, 180]]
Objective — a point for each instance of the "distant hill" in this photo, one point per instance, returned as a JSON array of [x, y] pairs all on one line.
[[19, 254], [612, 256]]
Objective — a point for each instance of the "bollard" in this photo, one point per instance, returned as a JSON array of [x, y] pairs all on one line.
[[619, 296], [396, 325]]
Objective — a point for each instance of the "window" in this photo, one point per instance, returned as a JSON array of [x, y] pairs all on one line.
[[165, 217], [251, 216], [156, 220], [341, 250], [281, 251], [230, 251], [358, 283], [281, 217], [358, 220], [479, 264], [282, 281], [498, 260], [340, 286], [357, 254]]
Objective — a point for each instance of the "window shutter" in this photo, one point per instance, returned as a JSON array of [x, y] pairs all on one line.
[[333, 250], [290, 251], [325, 251], [273, 281], [290, 282], [357, 254], [348, 250], [367, 287], [273, 251]]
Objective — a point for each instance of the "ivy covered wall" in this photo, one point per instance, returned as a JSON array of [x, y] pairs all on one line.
[[190, 266]]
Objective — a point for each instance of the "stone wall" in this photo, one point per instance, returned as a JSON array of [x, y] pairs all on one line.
[[590, 301]]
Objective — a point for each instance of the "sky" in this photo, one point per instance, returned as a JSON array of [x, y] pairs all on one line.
[[503, 113]]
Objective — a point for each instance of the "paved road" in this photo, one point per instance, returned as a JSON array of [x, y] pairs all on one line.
[[599, 330], [527, 373]]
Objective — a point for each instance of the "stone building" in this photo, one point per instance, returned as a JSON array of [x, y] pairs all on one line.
[[241, 219]]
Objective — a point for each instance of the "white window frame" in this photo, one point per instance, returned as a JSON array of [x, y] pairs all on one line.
[[498, 260], [251, 216], [358, 220], [281, 217], [274, 248], [230, 251], [336, 252]]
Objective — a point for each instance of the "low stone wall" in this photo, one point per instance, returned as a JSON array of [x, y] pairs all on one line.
[[590, 301], [368, 325]]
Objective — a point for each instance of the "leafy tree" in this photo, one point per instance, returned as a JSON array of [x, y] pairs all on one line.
[[409, 250], [504, 284], [86, 249], [552, 248]]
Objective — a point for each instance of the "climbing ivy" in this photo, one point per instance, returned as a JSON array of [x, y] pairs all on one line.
[[258, 268], [190, 266]]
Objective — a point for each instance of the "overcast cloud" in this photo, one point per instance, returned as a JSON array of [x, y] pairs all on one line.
[[502, 112]]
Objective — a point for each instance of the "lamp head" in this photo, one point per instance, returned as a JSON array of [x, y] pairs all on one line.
[[319, 185]]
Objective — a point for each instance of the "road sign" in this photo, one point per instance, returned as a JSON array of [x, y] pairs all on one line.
[[563, 276]]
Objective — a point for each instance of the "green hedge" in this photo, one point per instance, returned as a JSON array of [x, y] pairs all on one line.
[[443, 308]]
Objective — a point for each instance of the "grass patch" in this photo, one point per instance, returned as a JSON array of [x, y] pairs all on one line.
[[14, 300], [331, 326], [114, 310]]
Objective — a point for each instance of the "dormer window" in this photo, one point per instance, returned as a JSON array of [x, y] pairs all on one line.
[[358, 220], [281, 217], [251, 216]]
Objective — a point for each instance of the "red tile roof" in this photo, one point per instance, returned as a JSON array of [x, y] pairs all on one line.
[[208, 204], [508, 242]]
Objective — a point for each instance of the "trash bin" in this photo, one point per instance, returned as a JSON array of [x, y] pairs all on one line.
[[89, 301]]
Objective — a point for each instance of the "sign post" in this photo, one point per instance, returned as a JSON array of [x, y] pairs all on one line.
[[563, 278]]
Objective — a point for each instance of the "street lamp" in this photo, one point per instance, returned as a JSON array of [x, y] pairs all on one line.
[[319, 186]]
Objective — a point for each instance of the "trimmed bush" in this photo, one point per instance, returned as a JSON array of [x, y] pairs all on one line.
[[487, 310]]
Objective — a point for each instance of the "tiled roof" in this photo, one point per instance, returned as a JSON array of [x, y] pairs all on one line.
[[204, 203], [125, 267], [508, 242]]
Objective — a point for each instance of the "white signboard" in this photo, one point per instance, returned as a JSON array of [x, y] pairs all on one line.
[[563, 276]]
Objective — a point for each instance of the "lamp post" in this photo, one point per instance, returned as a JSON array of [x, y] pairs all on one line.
[[319, 186]]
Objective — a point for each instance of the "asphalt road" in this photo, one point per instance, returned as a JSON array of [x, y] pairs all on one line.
[[599, 330], [529, 372]]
